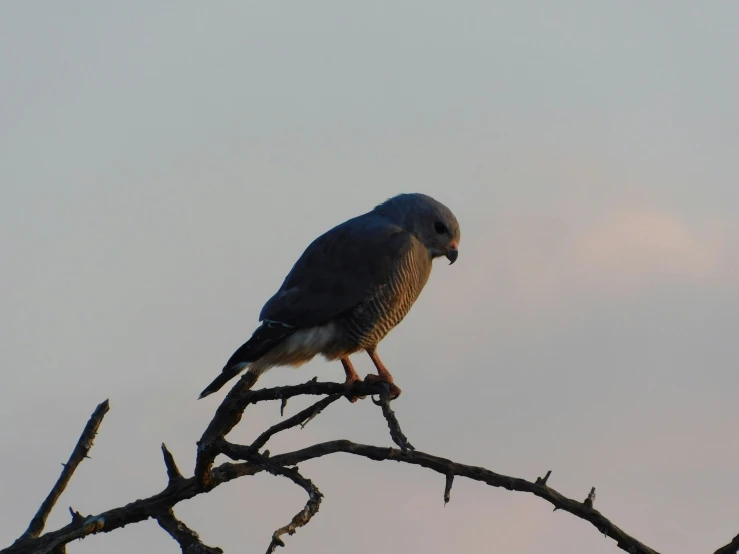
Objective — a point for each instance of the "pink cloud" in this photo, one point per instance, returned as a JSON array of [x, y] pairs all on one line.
[[536, 260], [640, 247]]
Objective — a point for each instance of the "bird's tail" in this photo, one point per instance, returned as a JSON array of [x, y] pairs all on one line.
[[228, 373], [264, 339]]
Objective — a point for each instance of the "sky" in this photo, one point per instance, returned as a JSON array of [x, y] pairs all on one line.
[[163, 164]]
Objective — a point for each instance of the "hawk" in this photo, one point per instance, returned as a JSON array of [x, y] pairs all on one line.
[[350, 287]]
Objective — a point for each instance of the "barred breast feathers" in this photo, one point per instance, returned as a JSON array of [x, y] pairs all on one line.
[[388, 303]]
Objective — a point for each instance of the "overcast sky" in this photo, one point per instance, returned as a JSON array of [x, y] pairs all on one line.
[[163, 164]]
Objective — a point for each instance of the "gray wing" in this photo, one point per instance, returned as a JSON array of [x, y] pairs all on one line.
[[338, 271]]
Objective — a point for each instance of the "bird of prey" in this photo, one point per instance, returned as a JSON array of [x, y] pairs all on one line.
[[349, 288]]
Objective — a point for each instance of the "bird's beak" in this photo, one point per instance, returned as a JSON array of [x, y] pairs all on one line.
[[452, 254]]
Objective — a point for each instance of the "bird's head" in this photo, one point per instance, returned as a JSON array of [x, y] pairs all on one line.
[[428, 220]]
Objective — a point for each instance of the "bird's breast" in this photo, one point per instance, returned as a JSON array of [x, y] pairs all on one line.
[[387, 304]]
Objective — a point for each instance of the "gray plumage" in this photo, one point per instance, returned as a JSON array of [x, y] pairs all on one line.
[[349, 288]]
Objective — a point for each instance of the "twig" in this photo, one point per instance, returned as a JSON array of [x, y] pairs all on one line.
[[78, 454], [303, 516], [448, 488], [76, 516], [298, 419], [543, 480], [188, 539], [392, 422], [173, 472], [590, 500], [232, 408]]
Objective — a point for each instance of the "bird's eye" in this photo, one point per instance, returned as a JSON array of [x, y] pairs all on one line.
[[440, 228]]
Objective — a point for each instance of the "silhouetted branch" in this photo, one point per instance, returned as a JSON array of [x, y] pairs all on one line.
[[543, 480], [173, 472], [448, 488], [731, 548], [303, 516], [590, 500], [188, 539], [249, 461], [300, 418], [392, 422], [232, 408], [78, 454]]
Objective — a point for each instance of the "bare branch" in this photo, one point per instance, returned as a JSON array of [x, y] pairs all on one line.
[[232, 408], [188, 539], [447, 467], [448, 488], [78, 454], [392, 422], [731, 548], [173, 472], [303, 516], [213, 442], [298, 419], [590, 500], [543, 480]]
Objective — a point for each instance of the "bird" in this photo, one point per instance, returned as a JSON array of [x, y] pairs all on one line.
[[348, 290]]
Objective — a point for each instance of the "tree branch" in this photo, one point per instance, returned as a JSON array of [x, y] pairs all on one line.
[[173, 472], [213, 442], [303, 516], [232, 408], [392, 422], [731, 548], [447, 467], [188, 539], [78, 454]]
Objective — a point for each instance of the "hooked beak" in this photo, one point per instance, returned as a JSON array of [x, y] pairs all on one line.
[[452, 254]]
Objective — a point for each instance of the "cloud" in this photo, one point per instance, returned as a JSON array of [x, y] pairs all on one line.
[[628, 250], [530, 262]]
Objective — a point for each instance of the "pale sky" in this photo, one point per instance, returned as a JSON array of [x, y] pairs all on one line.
[[163, 164]]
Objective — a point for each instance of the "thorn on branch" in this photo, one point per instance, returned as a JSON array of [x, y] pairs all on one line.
[[173, 472], [310, 418], [283, 405], [590, 499], [76, 516], [543, 480], [448, 488]]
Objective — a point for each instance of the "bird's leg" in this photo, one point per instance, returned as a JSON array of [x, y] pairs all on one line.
[[351, 377], [383, 375]]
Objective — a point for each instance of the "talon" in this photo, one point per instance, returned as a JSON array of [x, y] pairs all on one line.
[[394, 389], [349, 383], [351, 378]]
